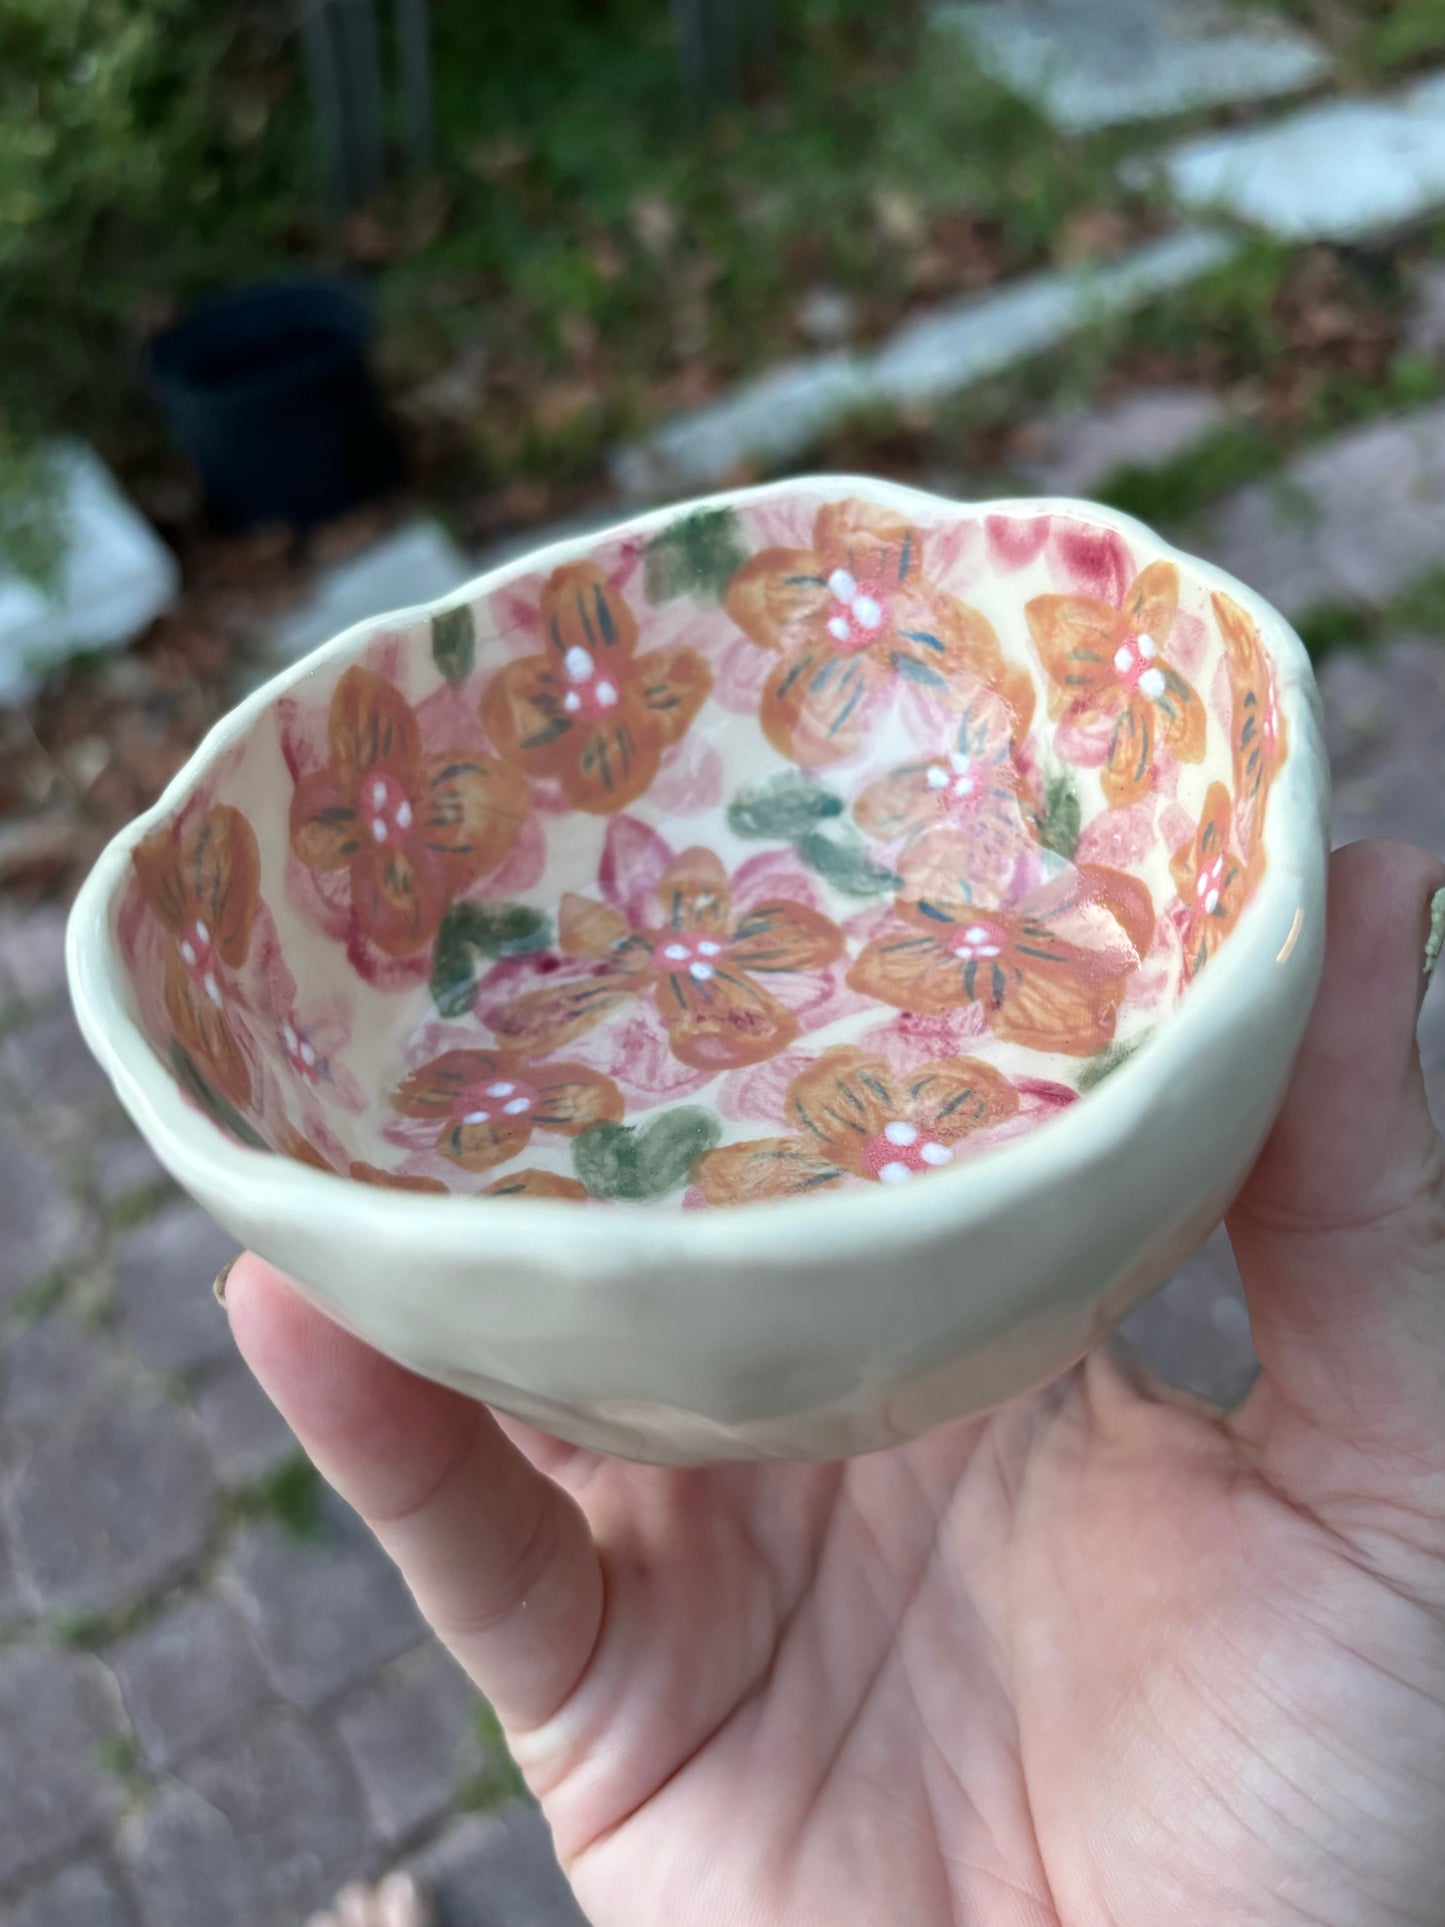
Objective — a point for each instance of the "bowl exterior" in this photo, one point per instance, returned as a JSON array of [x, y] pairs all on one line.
[[824, 1347], [812, 1328]]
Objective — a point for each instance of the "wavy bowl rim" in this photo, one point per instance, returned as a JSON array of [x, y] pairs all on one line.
[[204, 1159]]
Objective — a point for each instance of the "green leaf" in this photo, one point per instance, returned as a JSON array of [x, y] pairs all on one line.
[[454, 642], [1107, 1062], [697, 555], [782, 810], [472, 933], [219, 1109], [1062, 817], [636, 1166], [847, 865]]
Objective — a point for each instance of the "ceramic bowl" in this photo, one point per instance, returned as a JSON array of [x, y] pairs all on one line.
[[761, 981]]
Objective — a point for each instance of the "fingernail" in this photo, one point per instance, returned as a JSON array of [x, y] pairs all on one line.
[[218, 1289], [1435, 942]]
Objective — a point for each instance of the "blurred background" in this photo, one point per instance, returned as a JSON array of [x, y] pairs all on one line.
[[314, 308]]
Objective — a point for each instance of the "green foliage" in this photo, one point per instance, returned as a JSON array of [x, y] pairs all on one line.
[[41, 1295], [784, 808], [471, 935], [32, 530], [1062, 816], [119, 1754], [454, 642], [141, 155], [498, 1780], [1107, 1062], [636, 1166], [1178, 489], [844, 862], [291, 1495], [697, 555]]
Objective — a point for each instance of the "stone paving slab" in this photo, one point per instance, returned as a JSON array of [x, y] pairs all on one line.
[[1090, 64], [1340, 171], [256, 1833], [51, 1067], [188, 1678], [164, 1303], [411, 1736], [1355, 520], [107, 1508], [415, 563], [498, 1870], [324, 1615], [87, 1894], [1076, 452], [245, 1435], [770, 420], [32, 953], [54, 1364], [42, 1228], [57, 1712]]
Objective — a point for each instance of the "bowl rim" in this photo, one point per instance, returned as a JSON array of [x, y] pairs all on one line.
[[280, 1190]]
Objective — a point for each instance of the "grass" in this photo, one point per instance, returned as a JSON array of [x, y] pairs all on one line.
[[613, 251], [498, 1780], [1372, 39], [1417, 610], [42, 1295], [119, 1755], [291, 1495]]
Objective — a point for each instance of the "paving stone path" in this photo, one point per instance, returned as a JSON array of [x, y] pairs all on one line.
[[211, 1719], [224, 1720]]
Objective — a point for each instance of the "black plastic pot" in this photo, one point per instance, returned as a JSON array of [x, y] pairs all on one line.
[[268, 389]]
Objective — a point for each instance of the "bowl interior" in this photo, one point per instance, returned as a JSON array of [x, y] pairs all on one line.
[[807, 842]]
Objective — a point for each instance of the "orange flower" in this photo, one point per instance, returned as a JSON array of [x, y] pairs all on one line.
[[413, 830], [1212, 882], [856, 1117], [488, 1103], [590, 712], [976, 792], [294, 1144], [203, 883], [1106, 664], [1049, 971], [536, 1184], [697, 962], [1257, 731], [853, 619]]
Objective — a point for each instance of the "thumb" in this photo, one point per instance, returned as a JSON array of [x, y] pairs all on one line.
[[1340, 1230]]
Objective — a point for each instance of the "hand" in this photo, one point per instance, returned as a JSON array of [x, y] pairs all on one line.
[[1109, 1658]]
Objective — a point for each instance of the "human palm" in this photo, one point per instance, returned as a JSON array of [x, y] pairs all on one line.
[[1108, 1656]]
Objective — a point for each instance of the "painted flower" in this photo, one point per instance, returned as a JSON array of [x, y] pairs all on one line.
[[486, 1104], [536, 1184], [853, 623], [414, 829], [855, 1116], [698, 962], [1048, 969], [1256, 731], [1107, 667], [1212, 881], [202, 881], [975, 791], [590, 712], [393, 1180]]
